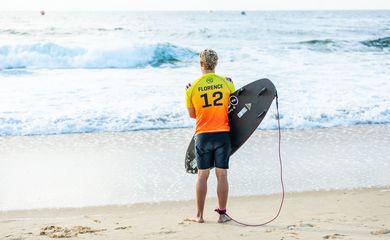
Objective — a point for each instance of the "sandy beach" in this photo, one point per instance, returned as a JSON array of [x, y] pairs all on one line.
[[343, 214], [48, 184]]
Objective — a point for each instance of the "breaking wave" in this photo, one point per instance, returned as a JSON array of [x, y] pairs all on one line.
[[378, 43], [318, 42], [346, 45], [54, 56]]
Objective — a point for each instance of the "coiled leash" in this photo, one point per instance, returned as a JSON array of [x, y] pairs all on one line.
[[223, 211]]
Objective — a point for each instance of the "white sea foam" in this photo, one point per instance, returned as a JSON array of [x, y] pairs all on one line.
[[98, 72]]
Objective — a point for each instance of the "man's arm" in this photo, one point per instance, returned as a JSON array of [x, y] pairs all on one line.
[[191, 112]]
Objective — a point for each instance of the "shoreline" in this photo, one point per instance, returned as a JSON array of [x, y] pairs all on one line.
[[170, 202], [334, 214], [192, 129], [101, 169]]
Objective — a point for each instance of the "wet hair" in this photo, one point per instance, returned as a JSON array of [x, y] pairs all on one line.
[[210, 59]]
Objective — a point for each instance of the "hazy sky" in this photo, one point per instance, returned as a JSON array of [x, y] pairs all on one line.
[[192, 4]]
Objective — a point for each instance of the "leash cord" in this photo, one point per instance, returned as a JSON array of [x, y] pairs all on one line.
[[281, 176]]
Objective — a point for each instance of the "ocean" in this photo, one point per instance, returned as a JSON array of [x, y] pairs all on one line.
[[92, 108], [82, 72]]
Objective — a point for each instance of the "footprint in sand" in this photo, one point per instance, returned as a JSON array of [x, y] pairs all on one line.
[[381, 232], [334, 236], [167, 232], [291, 227], [293, 235], [161, 232], [122, 228], [63, 232], [15, 238]]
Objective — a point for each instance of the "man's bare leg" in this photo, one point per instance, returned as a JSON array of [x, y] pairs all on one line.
[[201, 191], [222, 191]]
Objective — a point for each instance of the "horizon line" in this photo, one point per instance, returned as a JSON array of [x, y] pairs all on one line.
[[197, 10]]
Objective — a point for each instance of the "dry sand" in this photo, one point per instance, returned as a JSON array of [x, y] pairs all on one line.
[[342, 214]]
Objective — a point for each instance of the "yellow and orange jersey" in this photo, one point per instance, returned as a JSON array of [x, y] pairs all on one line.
[[209, 96]]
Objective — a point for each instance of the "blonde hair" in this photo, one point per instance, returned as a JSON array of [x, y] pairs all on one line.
[[210, 58]]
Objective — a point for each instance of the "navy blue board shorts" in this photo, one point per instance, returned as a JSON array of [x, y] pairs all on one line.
[[212, 150]]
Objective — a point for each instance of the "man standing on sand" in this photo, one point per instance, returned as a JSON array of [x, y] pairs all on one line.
[[207, 100]]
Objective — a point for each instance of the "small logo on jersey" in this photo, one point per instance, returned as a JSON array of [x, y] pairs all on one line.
[[229, 79], [209, 80], [188, 86]]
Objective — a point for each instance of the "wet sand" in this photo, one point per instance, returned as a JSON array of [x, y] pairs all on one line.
[[96, 169]]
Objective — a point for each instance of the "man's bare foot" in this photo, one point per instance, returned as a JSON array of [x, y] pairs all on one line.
[[195, 219], [223, 218]]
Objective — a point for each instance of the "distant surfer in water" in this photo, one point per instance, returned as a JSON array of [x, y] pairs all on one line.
[[207, 100]]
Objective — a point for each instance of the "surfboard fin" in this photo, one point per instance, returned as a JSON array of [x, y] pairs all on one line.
[[262, 91], [261, 114]]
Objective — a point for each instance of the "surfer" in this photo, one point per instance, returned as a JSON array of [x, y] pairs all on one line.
[[207, 100]]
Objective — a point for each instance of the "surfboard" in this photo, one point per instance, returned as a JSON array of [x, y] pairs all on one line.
[[247, 108]]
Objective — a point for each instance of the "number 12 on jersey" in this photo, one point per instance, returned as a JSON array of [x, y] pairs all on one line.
[[216, 98]]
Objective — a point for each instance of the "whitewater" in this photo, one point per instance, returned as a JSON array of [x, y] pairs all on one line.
[[84, 72]]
